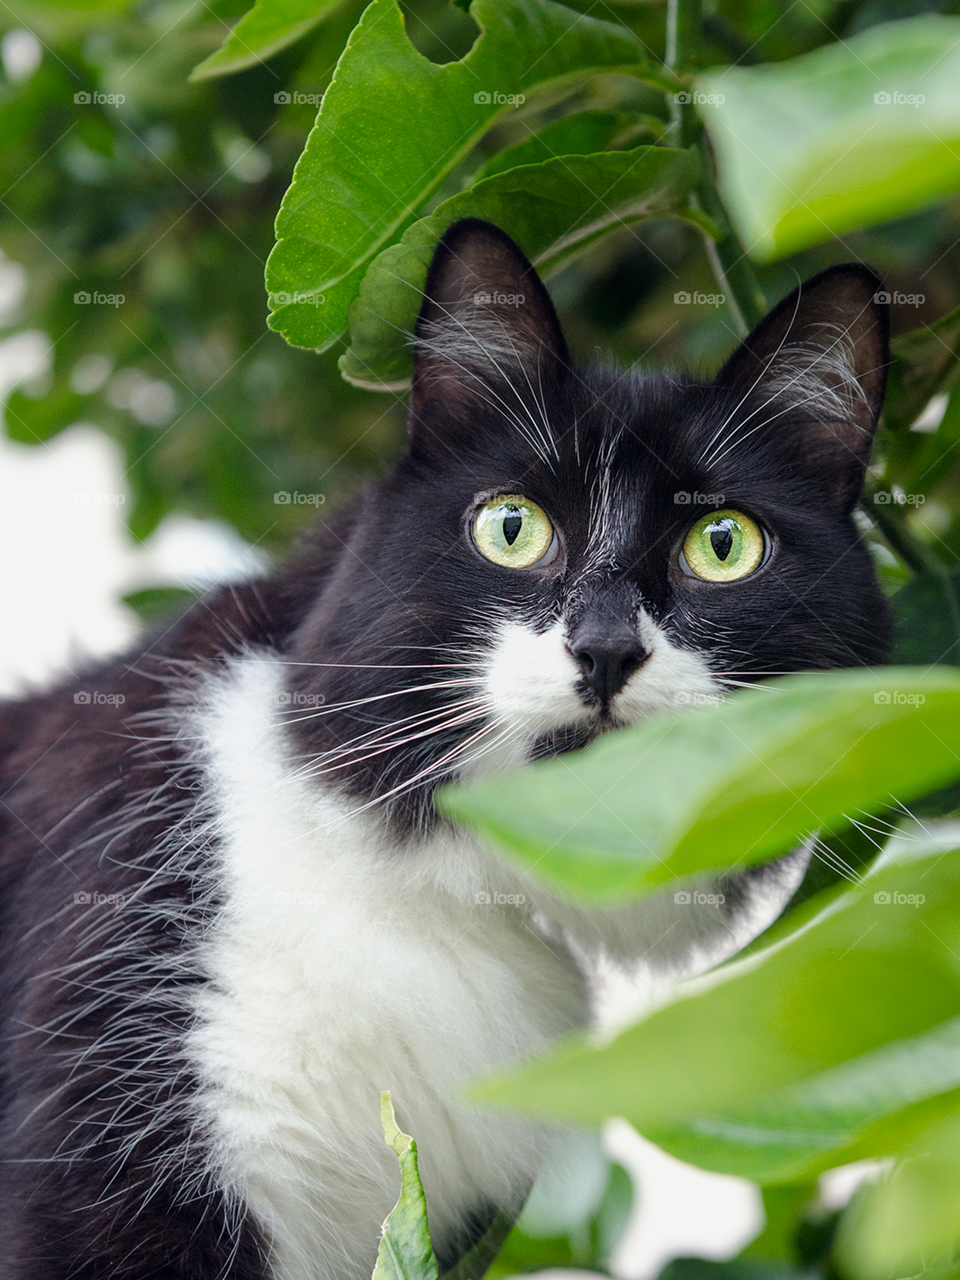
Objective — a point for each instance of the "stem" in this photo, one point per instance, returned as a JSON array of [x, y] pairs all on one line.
[[730, 263], [683, 39], [891, 522]]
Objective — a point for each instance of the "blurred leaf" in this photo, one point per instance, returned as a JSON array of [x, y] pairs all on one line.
[[898, 1224], [927, 619], [836, 139], [734, 783], [924, 361], [802, 1051], [550, 209], [393, 125], [31, 420], [154, 605], [405, 1250], [268, 27]]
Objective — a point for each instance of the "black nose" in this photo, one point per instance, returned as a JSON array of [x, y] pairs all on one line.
[[607, 658]]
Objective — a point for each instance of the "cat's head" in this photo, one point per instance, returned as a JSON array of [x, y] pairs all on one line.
[[564, 550]]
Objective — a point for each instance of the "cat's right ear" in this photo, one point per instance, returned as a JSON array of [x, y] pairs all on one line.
[[486, 320]]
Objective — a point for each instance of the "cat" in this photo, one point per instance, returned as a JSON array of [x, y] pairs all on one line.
[[230, 913]]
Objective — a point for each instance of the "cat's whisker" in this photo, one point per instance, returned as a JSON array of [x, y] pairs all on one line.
[[332, 708]]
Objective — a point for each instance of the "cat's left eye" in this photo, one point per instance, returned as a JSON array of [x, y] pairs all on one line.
[[723, 546], [514, 532]]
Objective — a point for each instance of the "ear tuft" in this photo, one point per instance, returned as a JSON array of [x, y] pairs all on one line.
[[824, 350], [486, 317]]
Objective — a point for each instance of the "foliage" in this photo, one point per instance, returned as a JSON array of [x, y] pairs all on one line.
[[635, 156]]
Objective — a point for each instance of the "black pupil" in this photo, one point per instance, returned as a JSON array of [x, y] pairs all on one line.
[[511, 527], [721, 539]]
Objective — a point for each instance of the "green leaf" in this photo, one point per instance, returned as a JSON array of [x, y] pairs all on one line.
[[734, 783], [803, 1052], [553, 210], [31, 420], [405, 1250], [575, 135], [268, 27], [807, 152], [154, 605], [393, 124], [924, 362], [894, 1226], [927, 618]]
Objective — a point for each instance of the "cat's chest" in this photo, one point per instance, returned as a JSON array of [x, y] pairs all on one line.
[[339, 967]]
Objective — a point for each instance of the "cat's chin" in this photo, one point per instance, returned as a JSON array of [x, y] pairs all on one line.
[[570, 737]]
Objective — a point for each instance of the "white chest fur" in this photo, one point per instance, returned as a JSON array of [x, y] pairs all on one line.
[[339, 967]]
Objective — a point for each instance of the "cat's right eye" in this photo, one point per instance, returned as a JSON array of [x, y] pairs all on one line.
[[514, 532], [723, 546]]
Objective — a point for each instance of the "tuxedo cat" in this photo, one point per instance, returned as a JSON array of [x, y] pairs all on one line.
[[229, 915]]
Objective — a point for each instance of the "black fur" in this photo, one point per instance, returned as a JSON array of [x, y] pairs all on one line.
[[101, 798]]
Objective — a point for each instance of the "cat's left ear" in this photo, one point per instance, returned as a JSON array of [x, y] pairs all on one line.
[[824, 349], [486, 318]]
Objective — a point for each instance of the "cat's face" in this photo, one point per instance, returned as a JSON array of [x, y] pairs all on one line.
[[562, 552]]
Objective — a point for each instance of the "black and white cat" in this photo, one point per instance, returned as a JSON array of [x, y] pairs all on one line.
[[230, 916]]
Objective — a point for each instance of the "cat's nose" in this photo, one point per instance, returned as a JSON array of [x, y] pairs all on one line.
[[607, 657]]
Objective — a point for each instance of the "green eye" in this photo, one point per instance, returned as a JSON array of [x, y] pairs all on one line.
[[514, 532], [723, 546]]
